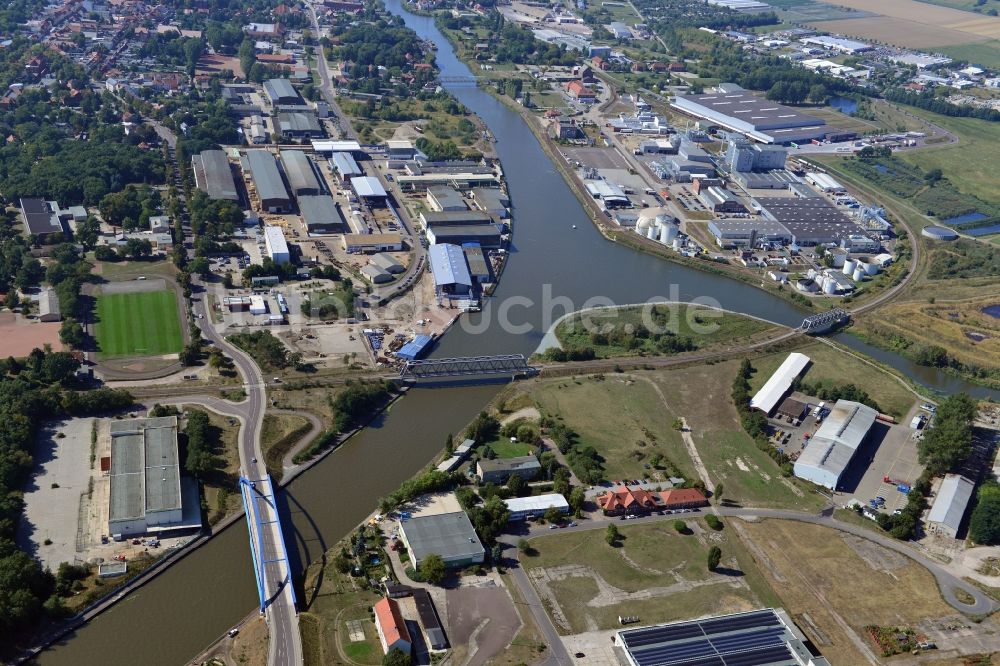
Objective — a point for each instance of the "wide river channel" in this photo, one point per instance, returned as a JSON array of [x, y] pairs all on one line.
[[554, 267]]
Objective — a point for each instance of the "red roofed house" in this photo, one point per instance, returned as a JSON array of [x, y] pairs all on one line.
[[625, 500], [392, 630], [580, 91]]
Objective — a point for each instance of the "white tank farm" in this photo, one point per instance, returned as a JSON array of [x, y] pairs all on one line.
[[859, 274], [668, 232], [871, 268], [651, 232], [829, 285], [677, 243], [849, 266]]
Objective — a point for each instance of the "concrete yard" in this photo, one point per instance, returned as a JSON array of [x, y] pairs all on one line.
[[56, 497], [893, 452], [483, 619]]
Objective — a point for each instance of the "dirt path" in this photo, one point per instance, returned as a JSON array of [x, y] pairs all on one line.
[[530, 413]]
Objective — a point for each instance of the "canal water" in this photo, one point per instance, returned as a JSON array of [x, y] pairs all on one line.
[[845, 105], [553, 268]]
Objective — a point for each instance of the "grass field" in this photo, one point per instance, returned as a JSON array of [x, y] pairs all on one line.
[[703, 327], [834, 585], [985, 53], [839, 367], [701, 394], [656, 573], [142, 324], [622, 418]]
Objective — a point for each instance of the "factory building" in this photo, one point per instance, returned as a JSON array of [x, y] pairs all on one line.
[[298, 124], [721, 200], [741, 155], [949, 506], [400, 149], [213, 175], [479, 267], [825, 182], [442, 198], [267, 181], [453, 218], [375, 274], [146, 489], [848, 46], [611, 195], [450, 272], [369, 188], [766, 637], [832, 448], [755, 117], [390, 241], [281, 92], [463, 180], [330, 146], [491, 201], [748, 233], [809, 221], [522, 507], [449, 535], [486, 235], [300, 173], [776, 179], [345, 166], [322, 215], [277, 248]]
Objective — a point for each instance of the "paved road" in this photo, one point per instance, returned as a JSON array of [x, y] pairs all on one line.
[[285, 644]]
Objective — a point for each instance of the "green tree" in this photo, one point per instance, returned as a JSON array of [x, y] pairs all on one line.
[[523, 545], [449, 444], [553, 515], [577, 498], [714, 557], [71, 333], [396, 657], [516, 485], [984, 524], [713, 521], [433, 569], [717, 493], [611, 535]]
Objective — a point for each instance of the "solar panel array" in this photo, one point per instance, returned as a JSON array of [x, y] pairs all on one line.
[[747, 639]]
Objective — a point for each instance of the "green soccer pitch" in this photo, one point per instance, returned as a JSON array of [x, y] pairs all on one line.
[[142, 324]]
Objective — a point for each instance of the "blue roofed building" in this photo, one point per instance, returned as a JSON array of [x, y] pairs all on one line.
[[451, 273], [416, 348]]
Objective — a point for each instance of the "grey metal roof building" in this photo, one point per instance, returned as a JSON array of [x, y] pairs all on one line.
[[950, 504], [499, 470], [48, 306], [810, 221], [322, 215], [444, 198], [774, 179], [831, 449], [345, 165], [298, 124], [451, 275], [449, 535], [479, 268], [766, 637], [492, 201], [281, 91], [267, 179], [213, 175], [454, 218], [39, 218], [487, 235], [300, 173], [145, 476], [739, 232], [754, 116]]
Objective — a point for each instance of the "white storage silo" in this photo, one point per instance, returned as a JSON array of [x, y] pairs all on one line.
[[829, 285], [651, 232], [849, 266], [668, 232], [871, 268], [859, 274], [677, 243]]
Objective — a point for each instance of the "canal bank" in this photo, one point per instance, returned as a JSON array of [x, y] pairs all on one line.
[[558, 269]]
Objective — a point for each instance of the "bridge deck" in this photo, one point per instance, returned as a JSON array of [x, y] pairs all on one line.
[[267, 543], [469, 366]]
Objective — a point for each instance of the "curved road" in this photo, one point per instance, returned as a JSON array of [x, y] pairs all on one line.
[[285, 643]]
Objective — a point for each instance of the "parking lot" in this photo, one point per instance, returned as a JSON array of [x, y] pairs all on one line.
[[892, 451]]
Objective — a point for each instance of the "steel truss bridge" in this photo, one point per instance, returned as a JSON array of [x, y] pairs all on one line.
[[503, 365], [823, 321]]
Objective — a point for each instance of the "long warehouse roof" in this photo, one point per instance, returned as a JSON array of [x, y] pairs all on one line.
[[952, 499], [216, 177], [299, 171], [265, 175], [448, 265], [774, 389]]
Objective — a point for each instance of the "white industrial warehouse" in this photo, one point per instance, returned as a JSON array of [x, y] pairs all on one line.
[[780, 383], [832, 448], [522, 507], [950, 504]]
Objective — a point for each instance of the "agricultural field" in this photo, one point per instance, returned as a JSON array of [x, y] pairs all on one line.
[[675, 328], [985, 53], [138, 324], [921, 13], [654, 572], [980, 6], [834, 585]]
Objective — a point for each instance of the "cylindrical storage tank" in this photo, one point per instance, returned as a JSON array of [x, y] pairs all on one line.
[[668, 232], [677, 243], [859, 274], [642, 226], [651, 232], [849, 266], [871, 268], [829, 286]]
